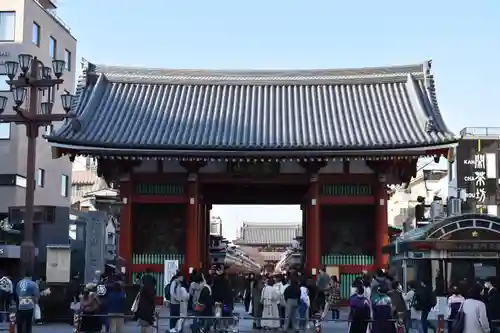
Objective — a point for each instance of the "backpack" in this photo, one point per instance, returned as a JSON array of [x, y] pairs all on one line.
[[416, 303], [166, 291], [360, 307], [433, 299]]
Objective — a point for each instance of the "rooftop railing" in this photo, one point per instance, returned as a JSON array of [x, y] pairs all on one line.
[[57, 19], [480, 131]]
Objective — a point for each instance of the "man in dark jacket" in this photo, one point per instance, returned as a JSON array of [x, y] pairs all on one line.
[[424, 301], [492, 302]]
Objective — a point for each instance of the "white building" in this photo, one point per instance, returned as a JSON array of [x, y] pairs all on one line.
[[215, 226], [428, 183], [32, 27]]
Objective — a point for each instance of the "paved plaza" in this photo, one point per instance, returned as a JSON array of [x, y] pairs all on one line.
[[245, 325]]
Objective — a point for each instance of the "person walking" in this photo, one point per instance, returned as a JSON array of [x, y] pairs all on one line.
[[359, 310], [258, 285], [175, 298], [270, 303], [291, 296], [28, 294], [145, 313], [115, 308]]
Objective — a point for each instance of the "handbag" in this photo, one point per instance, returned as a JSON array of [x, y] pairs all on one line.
[[458, 323], [135, 305], [38, 312]]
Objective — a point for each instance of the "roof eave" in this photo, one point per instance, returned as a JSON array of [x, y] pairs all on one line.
[[261, 152]]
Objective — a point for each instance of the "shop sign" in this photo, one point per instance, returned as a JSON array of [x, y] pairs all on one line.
[[478, 178], [468, 246], [473, 255]]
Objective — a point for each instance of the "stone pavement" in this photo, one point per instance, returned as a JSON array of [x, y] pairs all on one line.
[[245, 324]]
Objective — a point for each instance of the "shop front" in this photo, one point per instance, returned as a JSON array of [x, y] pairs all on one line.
[[460, 247]]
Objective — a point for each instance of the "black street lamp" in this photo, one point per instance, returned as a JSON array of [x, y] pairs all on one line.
[[35, 78]]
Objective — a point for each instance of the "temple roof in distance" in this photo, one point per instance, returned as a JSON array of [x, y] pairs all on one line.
[[268, 233], [141, 111]]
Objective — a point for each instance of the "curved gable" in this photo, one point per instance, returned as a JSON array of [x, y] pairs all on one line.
[[472, 225]]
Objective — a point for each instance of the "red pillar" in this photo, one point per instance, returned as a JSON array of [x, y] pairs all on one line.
[[125, 237], [203, 240], [192, 258], [381, 224], [313, 232], [208, 209]]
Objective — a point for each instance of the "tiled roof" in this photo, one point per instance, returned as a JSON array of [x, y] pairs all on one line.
[[265, 233], [189, 111]]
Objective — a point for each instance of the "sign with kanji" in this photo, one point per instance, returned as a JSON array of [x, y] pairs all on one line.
[[478, 178], [476, 172]]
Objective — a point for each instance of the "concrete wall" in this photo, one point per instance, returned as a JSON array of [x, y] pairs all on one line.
[[13, 151]]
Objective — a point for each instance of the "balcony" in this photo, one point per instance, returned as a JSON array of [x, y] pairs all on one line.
[[480, 131], [50, 8]]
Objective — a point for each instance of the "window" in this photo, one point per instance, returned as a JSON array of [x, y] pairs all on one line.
[[4, 131], [67, 59], [7, 26], [3, 83], [12, 180], [20, 181], [53, 47], [64, 185], [35, 36], [40, 178]]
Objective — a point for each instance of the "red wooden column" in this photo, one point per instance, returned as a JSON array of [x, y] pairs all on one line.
[[208, 209], [313, 226], [125, 237], [381, 223], [203, 238], [192, 259]]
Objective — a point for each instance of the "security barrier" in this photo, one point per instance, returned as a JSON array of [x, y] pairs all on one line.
[[231, 324]]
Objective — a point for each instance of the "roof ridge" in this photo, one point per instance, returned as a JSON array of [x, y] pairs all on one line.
[[132, 71]]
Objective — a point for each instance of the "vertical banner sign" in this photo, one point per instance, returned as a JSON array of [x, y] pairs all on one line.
[[95, 233], [170, 268], [477, 173]]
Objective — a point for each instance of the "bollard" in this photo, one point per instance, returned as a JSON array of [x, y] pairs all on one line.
[[12, 322], [440, 324]]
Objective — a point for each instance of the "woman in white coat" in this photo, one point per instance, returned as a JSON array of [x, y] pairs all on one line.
[[476, 319], [270, 299], [183, 298]]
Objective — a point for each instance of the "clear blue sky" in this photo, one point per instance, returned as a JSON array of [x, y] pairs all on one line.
[[462, 38]]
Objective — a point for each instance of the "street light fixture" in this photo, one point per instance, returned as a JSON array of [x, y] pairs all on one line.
[[33, 77], [3, 103]]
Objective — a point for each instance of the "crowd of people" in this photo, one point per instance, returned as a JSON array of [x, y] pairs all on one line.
[[289, 301], [378, 302]]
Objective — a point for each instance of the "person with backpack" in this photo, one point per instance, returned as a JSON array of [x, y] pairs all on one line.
[[359, 310], [204, 306], [423, 302], [175, 299], [382, 311]]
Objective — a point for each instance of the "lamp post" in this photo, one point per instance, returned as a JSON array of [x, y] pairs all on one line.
[[33, 82]]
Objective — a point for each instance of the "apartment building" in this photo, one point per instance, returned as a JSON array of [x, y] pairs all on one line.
[[32, 26]]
